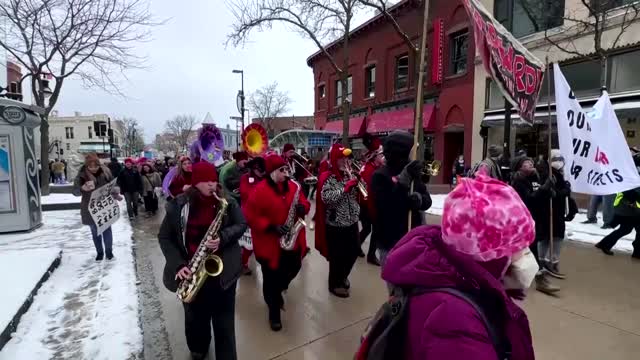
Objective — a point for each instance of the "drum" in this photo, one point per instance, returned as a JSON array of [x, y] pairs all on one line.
[[245, 240]]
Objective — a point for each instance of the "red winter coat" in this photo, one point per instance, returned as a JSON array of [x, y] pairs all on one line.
[[266, 208], [367, 174], [324, 166], [175, 188]]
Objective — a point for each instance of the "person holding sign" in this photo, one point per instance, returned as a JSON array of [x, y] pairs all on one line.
[[92, 176], [627, 215]]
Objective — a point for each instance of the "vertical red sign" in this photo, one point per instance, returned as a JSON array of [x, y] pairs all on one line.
[[437, 52]]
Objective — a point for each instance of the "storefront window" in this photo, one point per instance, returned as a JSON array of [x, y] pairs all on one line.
[[624, 72], [583, 77]]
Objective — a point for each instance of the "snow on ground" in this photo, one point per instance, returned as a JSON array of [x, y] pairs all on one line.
[[60, 199], [31, 264], [87, 309], [586, 233]]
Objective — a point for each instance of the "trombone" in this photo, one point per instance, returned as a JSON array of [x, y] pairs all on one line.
[[309, 180], [432, 168], [361, 185]]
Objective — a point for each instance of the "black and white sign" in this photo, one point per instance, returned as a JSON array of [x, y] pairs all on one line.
[[597, 158], [103, 207]]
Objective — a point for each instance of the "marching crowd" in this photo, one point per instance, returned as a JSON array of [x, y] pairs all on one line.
[[498, 234]]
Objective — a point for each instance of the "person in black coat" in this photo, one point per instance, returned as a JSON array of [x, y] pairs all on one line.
[[392, 196], [526, 181], [184, 227], [130, 183], [115, 167]]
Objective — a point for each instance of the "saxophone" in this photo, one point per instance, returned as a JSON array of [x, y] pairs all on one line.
[[288, 241], [204, 263]]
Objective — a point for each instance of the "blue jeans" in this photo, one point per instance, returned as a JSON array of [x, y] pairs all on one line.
[[607, 207], [107, 236]]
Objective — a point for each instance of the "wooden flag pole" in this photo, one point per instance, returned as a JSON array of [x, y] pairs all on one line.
[[417, 152], [549, 71]]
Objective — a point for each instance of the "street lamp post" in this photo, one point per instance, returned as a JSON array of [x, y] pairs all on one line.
[[241, 94]]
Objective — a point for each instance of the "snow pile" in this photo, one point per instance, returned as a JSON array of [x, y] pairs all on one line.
[[31, 265], [60, 199], [87, 309], [586, 233]]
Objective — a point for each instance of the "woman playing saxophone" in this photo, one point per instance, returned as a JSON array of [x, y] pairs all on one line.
[[185, 232]]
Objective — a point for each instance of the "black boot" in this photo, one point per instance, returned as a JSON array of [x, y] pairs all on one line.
[[109, 255], [100, 256], [274, 319], [604, 250], [198, 356]]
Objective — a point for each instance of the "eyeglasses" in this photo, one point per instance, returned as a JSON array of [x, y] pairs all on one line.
[[284, 169]]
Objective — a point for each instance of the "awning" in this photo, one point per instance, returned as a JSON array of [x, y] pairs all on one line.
[[97, 148], [400, 120], [354, 126]]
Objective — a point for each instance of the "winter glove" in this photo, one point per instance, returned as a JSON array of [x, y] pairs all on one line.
[[411, 172], [300, 210], [415, 201], [350, 185]]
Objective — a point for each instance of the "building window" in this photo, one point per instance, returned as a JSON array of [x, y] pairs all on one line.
[[402, 72], [68, 132], [370, 81], [624, 72], [339, 90], [459, 45], [90, 133], [600, 6], [321, 92], [525, 17], [68, 146], [583, 77]]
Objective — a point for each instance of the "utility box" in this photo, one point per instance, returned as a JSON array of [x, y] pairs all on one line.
[[20, 205]]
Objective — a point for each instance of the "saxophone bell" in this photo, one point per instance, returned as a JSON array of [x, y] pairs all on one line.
[[213, 265]]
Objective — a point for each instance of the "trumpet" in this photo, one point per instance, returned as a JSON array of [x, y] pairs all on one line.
[[432, 168], [361, 185], [309, 180]]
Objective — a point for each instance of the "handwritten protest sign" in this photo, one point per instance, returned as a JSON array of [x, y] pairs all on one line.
[[516, 71], [597, 157], [104, 209]]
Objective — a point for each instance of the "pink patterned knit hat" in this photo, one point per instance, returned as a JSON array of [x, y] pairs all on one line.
[[485, 218]]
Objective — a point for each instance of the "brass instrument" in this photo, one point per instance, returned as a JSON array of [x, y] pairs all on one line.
[[362, 187], [204, 263], [432, 168], [309, 180], [288, 241]]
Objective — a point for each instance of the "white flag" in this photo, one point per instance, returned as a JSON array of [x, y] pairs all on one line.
[[597, 158]]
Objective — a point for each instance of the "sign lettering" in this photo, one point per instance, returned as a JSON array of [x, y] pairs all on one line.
[[104, 209]]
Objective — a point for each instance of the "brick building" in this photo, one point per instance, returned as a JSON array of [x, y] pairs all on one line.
[[381, 86], [276, 125]]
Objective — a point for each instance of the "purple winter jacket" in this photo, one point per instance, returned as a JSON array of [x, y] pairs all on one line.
[[442, 326]]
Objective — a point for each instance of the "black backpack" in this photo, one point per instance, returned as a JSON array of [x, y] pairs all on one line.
[[385, 336]]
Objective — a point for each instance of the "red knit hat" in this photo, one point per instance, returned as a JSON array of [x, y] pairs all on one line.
[[336, 153], [203, 171], [274, 162], [240, 155], [128, 161], [288, 147]]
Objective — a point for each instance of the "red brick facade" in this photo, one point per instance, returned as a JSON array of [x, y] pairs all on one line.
[[377, 43]]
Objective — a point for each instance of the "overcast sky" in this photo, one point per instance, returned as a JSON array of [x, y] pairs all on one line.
[[190, 70]]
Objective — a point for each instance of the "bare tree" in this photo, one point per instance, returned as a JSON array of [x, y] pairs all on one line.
[[181, 127], [591, 18], [268, 103], [166, 143], [321, 21], [133, 135], [90, 39]]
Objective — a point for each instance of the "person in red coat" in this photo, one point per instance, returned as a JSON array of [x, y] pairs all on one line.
[[182, 181], [267, 211], [374, 159], [248, 183], [338, 213]]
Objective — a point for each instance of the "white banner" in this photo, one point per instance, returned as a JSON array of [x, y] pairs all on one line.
[[104, 209], [597, 158]]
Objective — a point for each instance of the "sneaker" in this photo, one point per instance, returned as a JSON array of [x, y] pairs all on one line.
[[99, 257], [544, 285], [340, 292], [604, 250], [274, 320], [590, 221], [553, 270]]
